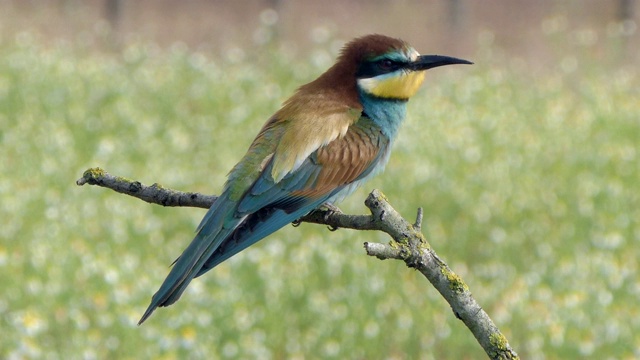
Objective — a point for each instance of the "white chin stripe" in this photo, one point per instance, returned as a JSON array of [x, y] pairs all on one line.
[[368, 85]]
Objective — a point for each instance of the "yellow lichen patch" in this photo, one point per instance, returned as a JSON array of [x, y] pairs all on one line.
[[380, 196], [498, 340], [93, 173], [423, 243], [455, 282]]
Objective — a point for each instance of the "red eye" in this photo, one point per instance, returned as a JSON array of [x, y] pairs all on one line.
[[385, 64]]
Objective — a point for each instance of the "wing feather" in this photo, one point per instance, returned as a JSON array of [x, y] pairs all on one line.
[[311, 122], [346, 159]]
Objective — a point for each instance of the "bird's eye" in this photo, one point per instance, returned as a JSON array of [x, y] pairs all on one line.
[[386, 64]]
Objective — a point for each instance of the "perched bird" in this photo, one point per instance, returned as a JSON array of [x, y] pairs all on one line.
[[328, 138]]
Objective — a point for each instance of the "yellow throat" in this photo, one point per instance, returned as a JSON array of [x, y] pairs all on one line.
[[396, 86]]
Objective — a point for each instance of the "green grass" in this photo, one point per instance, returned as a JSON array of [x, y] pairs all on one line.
[[530, 184]]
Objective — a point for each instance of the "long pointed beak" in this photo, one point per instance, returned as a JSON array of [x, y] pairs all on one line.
[[425, 62]]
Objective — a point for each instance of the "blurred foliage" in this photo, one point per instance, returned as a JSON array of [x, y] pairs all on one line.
[[529, 183]]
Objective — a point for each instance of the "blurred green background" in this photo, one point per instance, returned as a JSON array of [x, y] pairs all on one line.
[[527, 165]]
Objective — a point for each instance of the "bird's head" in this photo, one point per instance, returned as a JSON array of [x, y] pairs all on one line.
[[389, 68]]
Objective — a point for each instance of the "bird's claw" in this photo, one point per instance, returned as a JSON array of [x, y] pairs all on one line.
[[330, 209]]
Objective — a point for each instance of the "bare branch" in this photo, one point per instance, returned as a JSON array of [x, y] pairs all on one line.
[[154, 194], [418, 224], [408, 245]]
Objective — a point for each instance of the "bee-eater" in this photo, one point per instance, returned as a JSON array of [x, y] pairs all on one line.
[[328, 138]]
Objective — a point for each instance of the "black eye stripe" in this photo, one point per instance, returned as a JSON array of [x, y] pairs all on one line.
[[369, 69]]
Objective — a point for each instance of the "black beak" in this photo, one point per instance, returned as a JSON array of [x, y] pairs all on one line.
[[425, 62]]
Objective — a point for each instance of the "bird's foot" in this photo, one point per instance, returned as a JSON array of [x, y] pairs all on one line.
[[329, 209]]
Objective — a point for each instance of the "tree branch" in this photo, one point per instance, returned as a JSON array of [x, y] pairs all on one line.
[[408, 245]]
